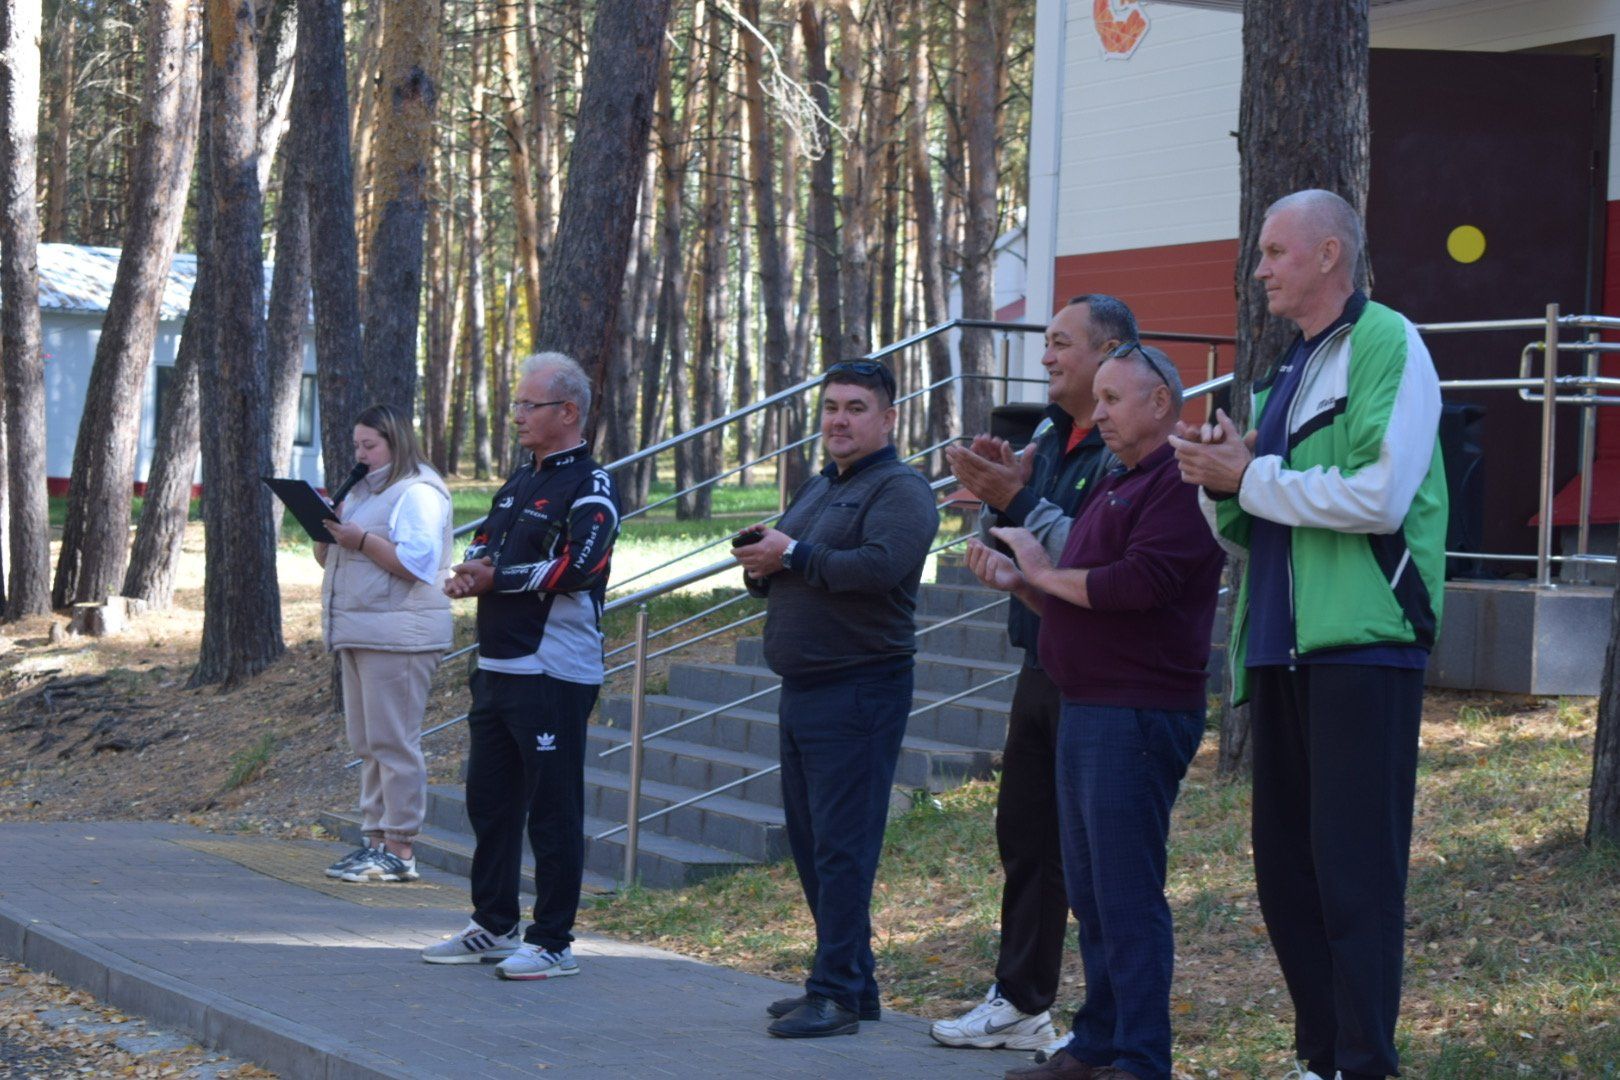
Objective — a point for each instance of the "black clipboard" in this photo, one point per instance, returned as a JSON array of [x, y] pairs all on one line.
[[306, 504]]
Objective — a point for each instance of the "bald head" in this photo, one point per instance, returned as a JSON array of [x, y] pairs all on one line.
[[1322, 215]]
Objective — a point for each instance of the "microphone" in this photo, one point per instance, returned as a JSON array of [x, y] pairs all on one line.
[[354, 477]]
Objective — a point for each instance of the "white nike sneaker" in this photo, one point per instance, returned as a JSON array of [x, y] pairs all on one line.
[[1049, 1051], [1300, 1072], [995, 1023]]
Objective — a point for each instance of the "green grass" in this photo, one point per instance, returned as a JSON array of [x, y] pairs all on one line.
[[1512, 941], [249, 763]]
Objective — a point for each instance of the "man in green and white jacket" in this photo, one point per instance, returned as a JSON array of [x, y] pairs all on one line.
[[1338, 498]]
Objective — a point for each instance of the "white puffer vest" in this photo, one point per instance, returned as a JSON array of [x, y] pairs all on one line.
[[363, 606]]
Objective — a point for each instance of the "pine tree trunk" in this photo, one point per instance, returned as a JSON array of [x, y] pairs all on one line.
[[1603, 812], [943, 420], [745, 333], [289, 304], [585, 272], [477, 305], [95, 535], [334, 266], [27, 509], [155, 558], [242, 600], [855, 268], [774, 278], [362, 122], [823, 235], [515, 126], [63, 75], [404, 141], [983, 49], [436, 366], [1300, 125]]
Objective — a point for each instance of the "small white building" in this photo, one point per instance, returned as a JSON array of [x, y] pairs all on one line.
[[75, 285]]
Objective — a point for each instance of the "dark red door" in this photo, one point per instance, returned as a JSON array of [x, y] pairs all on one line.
[[1489, 177]]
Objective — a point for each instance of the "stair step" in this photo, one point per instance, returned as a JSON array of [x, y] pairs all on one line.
[[722, 821], [452, 852]]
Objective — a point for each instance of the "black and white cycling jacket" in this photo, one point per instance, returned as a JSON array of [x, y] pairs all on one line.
[[550, 534]]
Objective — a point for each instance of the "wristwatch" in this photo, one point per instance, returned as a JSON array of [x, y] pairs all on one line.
[[787, 554]]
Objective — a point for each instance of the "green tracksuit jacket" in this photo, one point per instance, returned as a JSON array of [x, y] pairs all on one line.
[[1363, 488]]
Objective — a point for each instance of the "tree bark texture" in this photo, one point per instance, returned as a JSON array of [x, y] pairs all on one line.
[[477, 302], [1603, 810], [585, 272], [823, 234], [943, 420], [161, 530], [27, 508], [985, 29], [322, 89], [242, 600], [1302, 123], [95, 538], [289, 303], [411, 51], [856, 190], [774, 279], [64, 71], [515, 125]]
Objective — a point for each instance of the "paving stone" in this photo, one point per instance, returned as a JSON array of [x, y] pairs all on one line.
[[317, 982]]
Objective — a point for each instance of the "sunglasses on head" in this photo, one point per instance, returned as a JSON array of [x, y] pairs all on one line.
[[866, 369], [1122, 351]]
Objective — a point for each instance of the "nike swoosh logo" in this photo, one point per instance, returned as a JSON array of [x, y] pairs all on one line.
[[997, 1029]]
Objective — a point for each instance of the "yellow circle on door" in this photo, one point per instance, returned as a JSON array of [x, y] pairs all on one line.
[[1465, 244]]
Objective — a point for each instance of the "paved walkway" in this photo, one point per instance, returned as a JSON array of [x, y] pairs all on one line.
[[321, 980]]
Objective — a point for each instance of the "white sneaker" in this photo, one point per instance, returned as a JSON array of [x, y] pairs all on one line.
[[995, 1023], [1049, 1051], [1300, 1072], [472, 946], [534, 962]]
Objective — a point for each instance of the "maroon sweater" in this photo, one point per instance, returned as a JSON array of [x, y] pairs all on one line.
[[1155, 571]]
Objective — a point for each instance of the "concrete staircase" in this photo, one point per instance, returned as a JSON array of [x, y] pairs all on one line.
[[943, 747]]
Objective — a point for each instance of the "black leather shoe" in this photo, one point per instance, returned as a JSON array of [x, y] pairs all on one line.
[[870, 1007], [817, 1017]]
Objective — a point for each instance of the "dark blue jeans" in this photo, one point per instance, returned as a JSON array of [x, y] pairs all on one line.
[[840, 742], [1118, 772]]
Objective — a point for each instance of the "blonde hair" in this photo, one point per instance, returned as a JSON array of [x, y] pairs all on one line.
[[396, 429]]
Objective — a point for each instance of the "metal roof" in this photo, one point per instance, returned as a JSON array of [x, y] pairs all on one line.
[[73, 277]]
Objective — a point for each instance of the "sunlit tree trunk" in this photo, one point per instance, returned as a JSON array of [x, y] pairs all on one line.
[[408, 101], [1300, 124], [334, 264], [242, 605], [585, 271], [27, 509], [95, 541]]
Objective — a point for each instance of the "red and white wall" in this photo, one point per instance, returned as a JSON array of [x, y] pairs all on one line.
[[1134, 163]]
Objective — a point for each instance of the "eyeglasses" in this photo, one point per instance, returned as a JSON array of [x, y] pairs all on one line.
[[524, 408], [867, 369]]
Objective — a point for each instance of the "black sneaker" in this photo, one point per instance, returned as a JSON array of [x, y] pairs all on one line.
[[349, 861]]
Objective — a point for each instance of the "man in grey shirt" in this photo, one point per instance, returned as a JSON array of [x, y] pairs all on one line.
[[840, 579]]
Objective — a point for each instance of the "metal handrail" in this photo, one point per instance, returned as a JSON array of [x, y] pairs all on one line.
[[1551, 384], [771, 769]]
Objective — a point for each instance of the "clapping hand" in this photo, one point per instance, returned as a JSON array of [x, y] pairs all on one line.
[[990, 469], [1214, 455], [992, 567]]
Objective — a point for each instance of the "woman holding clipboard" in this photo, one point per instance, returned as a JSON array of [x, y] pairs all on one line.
[[383, 612]]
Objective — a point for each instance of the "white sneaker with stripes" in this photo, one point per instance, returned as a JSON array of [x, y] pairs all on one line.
[[474, 945]]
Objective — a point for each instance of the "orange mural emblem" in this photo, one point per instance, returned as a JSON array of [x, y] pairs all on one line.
[[1121, 26]]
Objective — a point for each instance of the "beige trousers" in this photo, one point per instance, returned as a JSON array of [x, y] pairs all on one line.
[[384, 695]]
